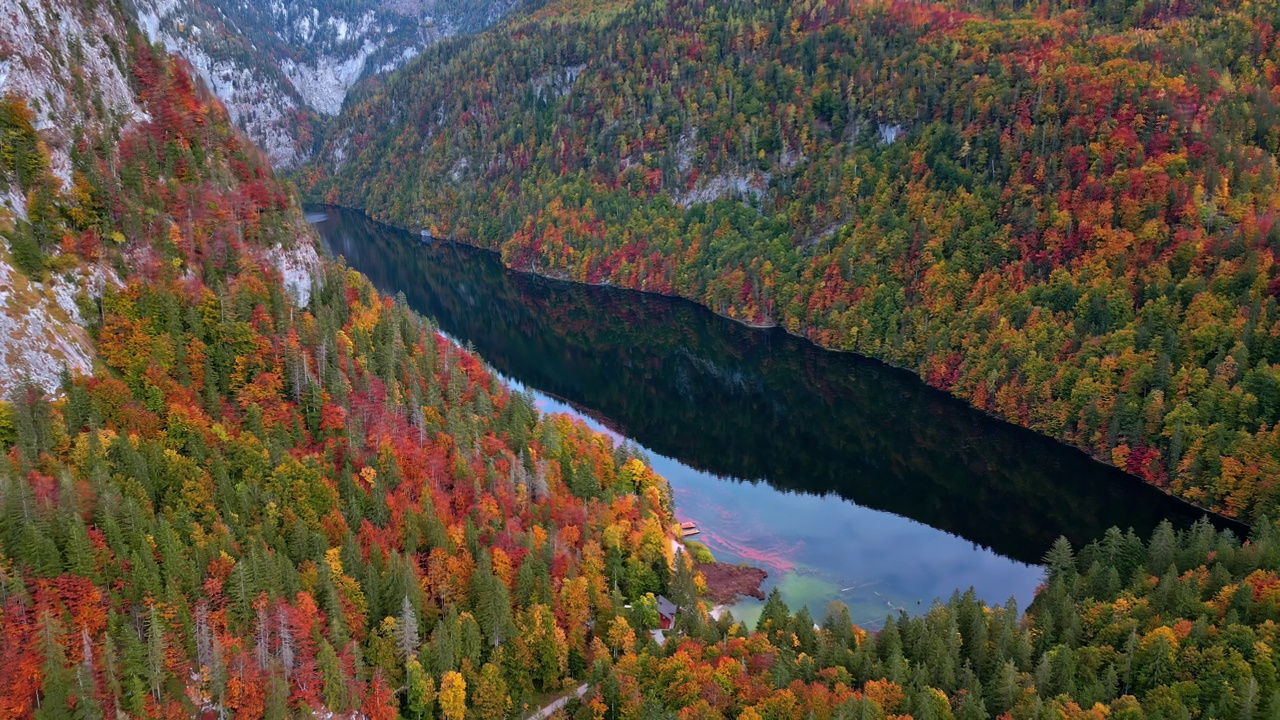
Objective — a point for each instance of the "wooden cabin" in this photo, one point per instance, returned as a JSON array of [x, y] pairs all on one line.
[[666, 613]]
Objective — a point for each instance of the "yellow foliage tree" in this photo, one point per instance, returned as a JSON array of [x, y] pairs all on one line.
[[453, 696]]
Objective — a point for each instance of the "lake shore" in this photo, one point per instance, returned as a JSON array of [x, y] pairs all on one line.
[[825, 470], [726, 583], [1237, 526]]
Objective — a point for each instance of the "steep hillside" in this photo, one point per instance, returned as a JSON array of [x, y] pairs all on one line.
[[274, 492], [280, 494], [71, 62], [279, 66], [42, 330], [91, 175], [1063, 214]]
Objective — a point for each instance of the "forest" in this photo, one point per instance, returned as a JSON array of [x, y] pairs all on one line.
[[1063, 213], [255, 508], [260, 505], [1109, 635]]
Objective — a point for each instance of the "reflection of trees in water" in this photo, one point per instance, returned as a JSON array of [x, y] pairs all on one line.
[[760, 405]]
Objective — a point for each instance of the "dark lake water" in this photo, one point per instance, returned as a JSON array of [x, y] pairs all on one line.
[[846, 479]]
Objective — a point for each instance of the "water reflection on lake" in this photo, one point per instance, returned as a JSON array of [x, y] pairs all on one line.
[[844, 478]]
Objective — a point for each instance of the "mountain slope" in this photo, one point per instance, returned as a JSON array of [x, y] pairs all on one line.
[[69, 61], [88, 175], [280, 494], [1065, 216], [281, 66], [275, 492]]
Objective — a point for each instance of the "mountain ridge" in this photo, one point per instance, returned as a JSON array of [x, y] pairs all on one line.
[[282, 67]]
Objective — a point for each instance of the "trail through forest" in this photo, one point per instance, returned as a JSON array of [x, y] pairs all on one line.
[[551, 708]]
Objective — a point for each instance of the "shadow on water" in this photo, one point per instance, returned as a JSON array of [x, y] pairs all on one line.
[[759, 405]]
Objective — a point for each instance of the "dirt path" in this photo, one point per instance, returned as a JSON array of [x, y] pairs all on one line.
[[555, 705]]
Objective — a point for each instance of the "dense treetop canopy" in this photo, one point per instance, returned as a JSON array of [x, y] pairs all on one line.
[[258, 507]]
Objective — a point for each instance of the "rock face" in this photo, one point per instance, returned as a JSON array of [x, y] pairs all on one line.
[[68, 62], [280, 65], [48, 49], [297, 266], [41, 328]]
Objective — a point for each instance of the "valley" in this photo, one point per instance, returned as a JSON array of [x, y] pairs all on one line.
[[261, 462], [282, 67], [1064, 217], [844, 479]]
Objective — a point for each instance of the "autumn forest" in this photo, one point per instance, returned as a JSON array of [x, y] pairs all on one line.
[[282, 496], [1060, 212]]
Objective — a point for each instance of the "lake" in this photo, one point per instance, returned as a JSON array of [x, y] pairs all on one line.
[[844, 478]]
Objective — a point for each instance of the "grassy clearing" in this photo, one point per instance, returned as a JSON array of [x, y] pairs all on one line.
[[699, 552]]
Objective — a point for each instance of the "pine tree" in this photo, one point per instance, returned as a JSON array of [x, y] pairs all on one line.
[[155, 667], [1163, 550], [1060, 561], [775, 614], [78, 553], [491, 600], [444, 643], [56, 679], [407, 631], [275, 705], [336, 696]]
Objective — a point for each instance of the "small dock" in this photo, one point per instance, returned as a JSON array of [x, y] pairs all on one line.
[[688, 529]]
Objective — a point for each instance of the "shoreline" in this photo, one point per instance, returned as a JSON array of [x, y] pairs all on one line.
[[728, 583], [1242, 527]]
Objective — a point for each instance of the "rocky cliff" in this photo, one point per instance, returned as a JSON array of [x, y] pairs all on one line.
[[281, 66], [68, 64], [91, 177]]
